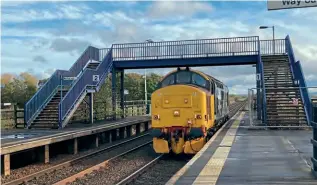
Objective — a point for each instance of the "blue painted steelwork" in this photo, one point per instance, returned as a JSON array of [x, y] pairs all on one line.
[[190, 62], [202, 48], [45, 93], [203, 52], [114, 91], [261, 69], [84, 81], [313, 123], [298, 77]]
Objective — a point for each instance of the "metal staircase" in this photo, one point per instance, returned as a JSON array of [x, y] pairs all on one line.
[[48, 117], [281, 92], [42, 110], [280, 76]]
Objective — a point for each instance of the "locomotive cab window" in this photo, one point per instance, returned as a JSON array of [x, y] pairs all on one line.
[[183, 77], [168, 81], [199, 80]]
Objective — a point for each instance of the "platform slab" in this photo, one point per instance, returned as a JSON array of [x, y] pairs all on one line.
[[253, 157], [17, 138]]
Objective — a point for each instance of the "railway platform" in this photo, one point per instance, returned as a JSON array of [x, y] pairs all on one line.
[[16, 143], [240, 155]]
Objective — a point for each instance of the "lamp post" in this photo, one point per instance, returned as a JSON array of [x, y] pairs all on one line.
[[265, 27]]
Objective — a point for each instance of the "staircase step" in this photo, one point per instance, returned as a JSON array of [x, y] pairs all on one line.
[[44, 126]]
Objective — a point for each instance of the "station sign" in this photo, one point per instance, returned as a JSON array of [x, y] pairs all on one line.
[[258, 76], [287, 4], [95, 78]]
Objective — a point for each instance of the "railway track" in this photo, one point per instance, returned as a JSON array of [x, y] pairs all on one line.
[[62, 170], [161, 169], [125, 169]]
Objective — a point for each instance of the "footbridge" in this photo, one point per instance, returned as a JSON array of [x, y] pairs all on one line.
[[279, 76]]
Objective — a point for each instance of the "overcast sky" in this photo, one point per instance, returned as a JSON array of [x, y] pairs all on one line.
[[40, 37]]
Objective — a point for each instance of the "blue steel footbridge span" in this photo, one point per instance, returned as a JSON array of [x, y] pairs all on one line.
[[279, 76]]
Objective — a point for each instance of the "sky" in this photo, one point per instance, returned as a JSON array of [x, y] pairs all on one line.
[[40, 37]]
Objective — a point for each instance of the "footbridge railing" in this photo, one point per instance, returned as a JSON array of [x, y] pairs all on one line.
[[298, 78], [42, 96], [79, 87], [186, 49]]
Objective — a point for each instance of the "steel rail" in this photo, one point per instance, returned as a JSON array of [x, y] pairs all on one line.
[[140, 171], [98, 166], [235, 108], [68, 163]]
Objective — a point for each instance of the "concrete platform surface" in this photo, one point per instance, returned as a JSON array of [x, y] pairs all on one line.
[[19, 137], [243, 156]]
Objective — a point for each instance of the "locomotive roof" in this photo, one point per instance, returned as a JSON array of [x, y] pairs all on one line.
[[206, 76]]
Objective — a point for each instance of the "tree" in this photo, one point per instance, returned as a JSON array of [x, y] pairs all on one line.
[[6, 78], [19, 90], [29, 79]]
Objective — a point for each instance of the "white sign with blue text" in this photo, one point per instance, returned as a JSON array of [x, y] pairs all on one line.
[[286, 4]]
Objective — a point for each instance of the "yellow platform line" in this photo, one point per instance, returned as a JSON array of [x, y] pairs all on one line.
[[211, 172], [199, 154]]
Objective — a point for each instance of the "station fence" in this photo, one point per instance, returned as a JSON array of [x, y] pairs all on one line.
[[14, 117]]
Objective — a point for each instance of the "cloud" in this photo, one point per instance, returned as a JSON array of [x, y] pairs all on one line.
[[173, 9], [69, 45], [82, 24], [40, 59], [62, 11]]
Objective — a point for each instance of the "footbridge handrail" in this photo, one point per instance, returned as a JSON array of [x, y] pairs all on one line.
[[80, 85], [298, 78], [186, 48], [36, 103]]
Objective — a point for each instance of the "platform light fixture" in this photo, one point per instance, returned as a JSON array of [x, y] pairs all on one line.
[[265, 27]]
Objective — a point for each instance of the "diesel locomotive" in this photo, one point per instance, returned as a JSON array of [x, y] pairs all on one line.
[[187, 109]]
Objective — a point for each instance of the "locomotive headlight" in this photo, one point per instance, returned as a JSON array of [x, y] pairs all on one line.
[[176, 113], [156, 117], [197, 116]]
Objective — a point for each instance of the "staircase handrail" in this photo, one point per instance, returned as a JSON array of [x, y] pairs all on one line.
[[80, 85], [263, 86], [298, 76], [40, 98], [290, 53]]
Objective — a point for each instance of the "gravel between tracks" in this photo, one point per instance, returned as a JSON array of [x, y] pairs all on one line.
[[56, 176], [119, 168], [162, 171]]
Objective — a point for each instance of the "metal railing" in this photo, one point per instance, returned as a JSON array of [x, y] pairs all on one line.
[[80, 85], [186, 49], [298, 78], [313, 123], [269, 47], [42, 96], [262, 85]]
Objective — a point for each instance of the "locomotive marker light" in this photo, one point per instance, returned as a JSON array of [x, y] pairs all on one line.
[[176, 113]]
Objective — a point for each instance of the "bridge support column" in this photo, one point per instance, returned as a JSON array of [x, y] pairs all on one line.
[[114, 93], [258, 91], [122, 93], [91, 108]]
